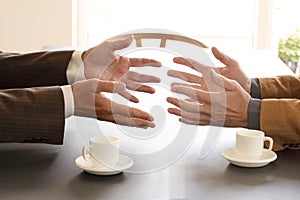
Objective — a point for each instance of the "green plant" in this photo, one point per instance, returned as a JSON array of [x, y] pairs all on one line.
[[289, 49]]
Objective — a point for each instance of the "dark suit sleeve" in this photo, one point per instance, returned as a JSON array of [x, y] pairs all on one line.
[[32, 115], [33, 69]]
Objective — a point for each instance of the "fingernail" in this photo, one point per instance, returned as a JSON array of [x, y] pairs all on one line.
[[152, 91], [151, 118], [152, 125], [134, 99]]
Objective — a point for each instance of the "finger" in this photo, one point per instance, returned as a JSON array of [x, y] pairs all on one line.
[[200, 95], [183, 61], [186, 76], [128, 96], [220, 56], [127, 121], [175, 102], [190, 118], [209, 74], [115, 87], [188, 115], [191, 63], [211, 80], [121, 44], [140, 62], [204, 120], [175, 111], [134, 122], [226, 60], [188, 121], [198, 87], [139, 87], [142, 78], [131, 112], [185, 105], [194, 122], [194, 101]]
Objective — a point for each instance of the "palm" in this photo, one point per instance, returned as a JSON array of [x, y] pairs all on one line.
[[102, 62], [90, 102]]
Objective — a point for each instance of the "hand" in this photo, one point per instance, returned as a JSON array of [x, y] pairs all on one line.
[[232, 70], [90, 102], [102, 62], [213, 98]]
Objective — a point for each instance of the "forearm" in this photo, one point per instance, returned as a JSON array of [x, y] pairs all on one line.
[[280, 119], [280, 87], [32, 115], [34, 69]]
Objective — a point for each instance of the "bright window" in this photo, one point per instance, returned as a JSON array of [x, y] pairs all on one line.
[[213, 22], [243, 24], [286, 17]]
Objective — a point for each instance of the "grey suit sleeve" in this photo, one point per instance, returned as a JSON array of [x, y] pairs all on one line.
[[254, 105], [254, 113], [255, 88]]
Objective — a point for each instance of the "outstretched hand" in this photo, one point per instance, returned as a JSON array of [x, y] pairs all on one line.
[[102, 62], [91, 102], [212, 98]]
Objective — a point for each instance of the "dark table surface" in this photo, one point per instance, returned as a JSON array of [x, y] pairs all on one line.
[[35, 171]]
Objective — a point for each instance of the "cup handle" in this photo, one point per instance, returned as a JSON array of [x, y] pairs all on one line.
[[270, 140], [84, 150]]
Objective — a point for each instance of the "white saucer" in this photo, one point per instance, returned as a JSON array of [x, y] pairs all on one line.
[[124, 163], [233, 158]]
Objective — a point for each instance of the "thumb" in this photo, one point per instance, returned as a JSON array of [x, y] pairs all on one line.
[[220, 56], [121, 44]]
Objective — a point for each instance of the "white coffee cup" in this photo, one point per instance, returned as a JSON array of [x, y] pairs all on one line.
[[104, 150], [250, 144]]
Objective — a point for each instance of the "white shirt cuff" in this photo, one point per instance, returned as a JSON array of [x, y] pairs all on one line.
[[75, 70], [68, 100]]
